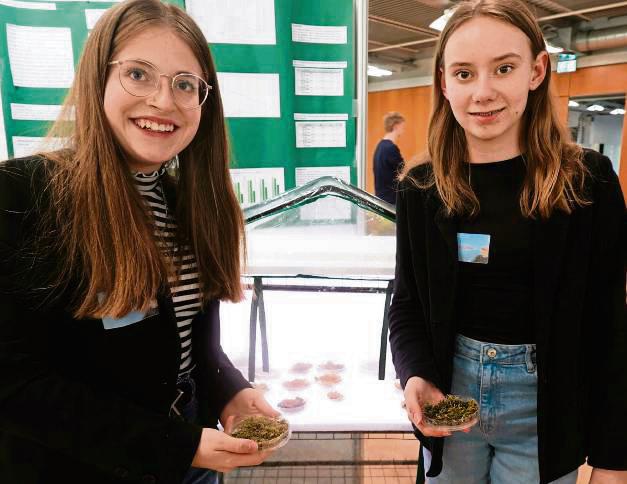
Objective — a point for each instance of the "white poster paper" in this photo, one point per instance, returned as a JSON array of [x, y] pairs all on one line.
[[321, 64], [29, 5], [92, 16], [320, 134], [319, 82], [319, 34], [250, 95], [310, 173], [320, 117], [237, 21], [255, 185], [28, 145], [35, 112], [40, 56], [328, 208], [4, 151]]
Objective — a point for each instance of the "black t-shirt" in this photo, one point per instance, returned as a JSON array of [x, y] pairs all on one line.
[[494, 302], [387, 164]]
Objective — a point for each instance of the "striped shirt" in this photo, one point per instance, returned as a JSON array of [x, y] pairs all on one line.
[[185, 289]]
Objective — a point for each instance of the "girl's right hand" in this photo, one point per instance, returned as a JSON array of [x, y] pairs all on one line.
[[223, 453], [419, 392]]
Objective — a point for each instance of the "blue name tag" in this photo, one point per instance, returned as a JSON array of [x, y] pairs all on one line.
[[473, 248], [131, 318]]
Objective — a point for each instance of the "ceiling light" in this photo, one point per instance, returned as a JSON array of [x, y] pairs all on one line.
[[596, 107], [440, 22], [553, 49], [375, 71], [573, 104], [617, 111]]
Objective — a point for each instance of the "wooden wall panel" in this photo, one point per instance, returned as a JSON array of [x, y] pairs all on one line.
[[561, 84], [415, 105], [611, 79]]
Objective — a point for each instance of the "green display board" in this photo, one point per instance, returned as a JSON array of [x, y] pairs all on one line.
[[271, 142], [300, 56]]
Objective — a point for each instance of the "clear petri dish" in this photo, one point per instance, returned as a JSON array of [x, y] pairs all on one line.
[[292, 404], [331, 366], [329, 379], [457, 425], [335, 396], [296, 385], [268, 444], [451, 428]]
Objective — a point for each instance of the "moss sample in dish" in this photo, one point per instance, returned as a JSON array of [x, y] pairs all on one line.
[[453, 410], [266, 431]]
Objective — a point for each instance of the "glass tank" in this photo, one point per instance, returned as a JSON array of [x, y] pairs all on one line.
[[312, 331]]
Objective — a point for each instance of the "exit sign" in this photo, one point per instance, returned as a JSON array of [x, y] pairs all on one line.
[[566, 63]]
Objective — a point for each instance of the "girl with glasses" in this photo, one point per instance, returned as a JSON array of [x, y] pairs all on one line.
[[510, 277], [111, 271]]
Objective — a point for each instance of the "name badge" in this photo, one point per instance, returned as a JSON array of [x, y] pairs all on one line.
[[473, 248], [131, 318]]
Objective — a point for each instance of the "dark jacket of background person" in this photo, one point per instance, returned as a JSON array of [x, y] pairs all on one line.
[[81, 404], [387, 165], [579, 316]]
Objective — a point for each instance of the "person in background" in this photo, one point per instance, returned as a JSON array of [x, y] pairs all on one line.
[[112, 271], [510, 269], [388, 161]]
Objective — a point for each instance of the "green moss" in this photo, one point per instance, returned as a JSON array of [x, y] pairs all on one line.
[[452, 410]]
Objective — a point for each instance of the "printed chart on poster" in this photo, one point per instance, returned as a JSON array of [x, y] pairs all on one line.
[[256, 185], [329, 208]]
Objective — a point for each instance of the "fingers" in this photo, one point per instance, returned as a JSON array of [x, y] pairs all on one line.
[[236, 446], [413, 407], [414, 412], [265, 408], [228, 425], [432, 432], [229, 461]]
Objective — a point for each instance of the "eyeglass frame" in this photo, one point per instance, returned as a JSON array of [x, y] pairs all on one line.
[[161, 74]]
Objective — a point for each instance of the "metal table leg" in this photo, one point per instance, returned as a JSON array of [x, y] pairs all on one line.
[[384, 330], [257, 310], [265, 361], [252, 334]]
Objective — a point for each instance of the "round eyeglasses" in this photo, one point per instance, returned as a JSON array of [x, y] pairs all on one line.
[[140, 78]]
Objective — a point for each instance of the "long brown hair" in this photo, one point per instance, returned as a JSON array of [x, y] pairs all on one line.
[[554, 168], [102, 229]]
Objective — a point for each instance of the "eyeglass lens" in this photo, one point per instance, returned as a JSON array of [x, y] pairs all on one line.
[[141, 79]]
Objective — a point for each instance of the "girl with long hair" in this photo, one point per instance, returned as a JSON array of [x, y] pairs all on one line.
[[112, 269], [510, 277]]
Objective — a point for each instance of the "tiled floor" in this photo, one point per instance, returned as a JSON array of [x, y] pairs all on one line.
[[378, 474]]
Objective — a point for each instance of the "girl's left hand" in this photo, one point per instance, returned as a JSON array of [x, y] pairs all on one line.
[[605, 476], [246, 402]]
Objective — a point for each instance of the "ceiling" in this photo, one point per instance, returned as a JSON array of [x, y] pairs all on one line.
[[394, 22]]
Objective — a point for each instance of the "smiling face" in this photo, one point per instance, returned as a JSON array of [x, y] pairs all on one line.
[[152, 129], [487, 72]]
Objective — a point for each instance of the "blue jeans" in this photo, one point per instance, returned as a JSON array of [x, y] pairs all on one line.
[[196, 475], [503, 447]]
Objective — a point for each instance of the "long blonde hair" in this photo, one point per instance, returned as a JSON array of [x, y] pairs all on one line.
[[102, 231], [554, 168]]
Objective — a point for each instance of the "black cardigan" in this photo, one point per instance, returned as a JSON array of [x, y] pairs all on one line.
[[81, 404], [579, 313]]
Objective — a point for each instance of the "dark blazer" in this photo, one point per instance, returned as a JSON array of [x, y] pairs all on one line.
[[387, 163], [579, 316], [81, 404]]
